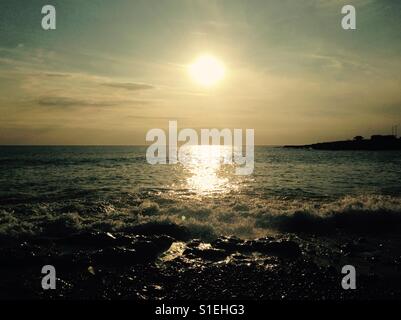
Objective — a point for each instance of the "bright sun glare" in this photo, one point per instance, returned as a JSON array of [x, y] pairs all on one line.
[[207, 70]]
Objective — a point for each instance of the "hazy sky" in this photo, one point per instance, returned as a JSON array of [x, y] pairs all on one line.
[[112, 70]]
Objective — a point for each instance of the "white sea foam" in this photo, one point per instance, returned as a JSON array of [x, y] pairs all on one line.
[[241, 216]]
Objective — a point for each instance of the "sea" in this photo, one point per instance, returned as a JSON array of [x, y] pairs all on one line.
[[61, 190]]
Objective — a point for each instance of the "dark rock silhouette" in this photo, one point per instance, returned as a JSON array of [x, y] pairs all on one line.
[[376, 142]]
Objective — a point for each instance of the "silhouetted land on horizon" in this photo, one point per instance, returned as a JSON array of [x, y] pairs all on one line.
[[376, 142]]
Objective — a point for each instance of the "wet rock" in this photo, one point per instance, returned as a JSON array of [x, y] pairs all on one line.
[[69, 261], [229, 244], [91, 270], [209, 254], [239, 256], [152, 246], [283, 248], [194, 243], [141, 250], [160, 228], [163, 242], [95, 239], [117, 257]]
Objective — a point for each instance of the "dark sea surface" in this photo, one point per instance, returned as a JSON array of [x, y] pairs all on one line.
[[56, 191]]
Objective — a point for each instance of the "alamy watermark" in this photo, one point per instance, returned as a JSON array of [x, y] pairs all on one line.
[[162, 151], [349, 280], [348, 22], [49, 280], [49, 18]]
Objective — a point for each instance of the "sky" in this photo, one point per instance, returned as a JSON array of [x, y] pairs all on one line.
[[112, 70]]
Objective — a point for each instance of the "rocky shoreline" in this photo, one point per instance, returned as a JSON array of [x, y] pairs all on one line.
[[167, 265], [375, 143]]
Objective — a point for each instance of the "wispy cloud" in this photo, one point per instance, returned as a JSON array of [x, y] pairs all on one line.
[[69, 102], [57, 75], [66, 102], [129, 86]]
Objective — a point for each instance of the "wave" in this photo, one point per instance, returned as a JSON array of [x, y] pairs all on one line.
[[243, 217], [366, 214]]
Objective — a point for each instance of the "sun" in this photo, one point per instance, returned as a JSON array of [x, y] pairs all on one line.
[[207, 70]]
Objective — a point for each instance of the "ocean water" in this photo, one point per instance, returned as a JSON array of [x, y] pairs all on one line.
[[56, 191]]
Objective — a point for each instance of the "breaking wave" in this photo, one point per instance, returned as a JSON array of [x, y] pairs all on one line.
[[182, 219], [367, 214]]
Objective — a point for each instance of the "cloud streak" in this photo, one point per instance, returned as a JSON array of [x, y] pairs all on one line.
[[68, 102], [129, 86], [54, 101]]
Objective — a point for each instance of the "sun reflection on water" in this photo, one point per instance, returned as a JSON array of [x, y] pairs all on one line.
[[207, 170]]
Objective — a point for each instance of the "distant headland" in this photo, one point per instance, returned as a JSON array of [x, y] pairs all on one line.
[[376, 142]]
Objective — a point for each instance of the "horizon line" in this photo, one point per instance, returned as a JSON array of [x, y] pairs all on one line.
[[111, 145]]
